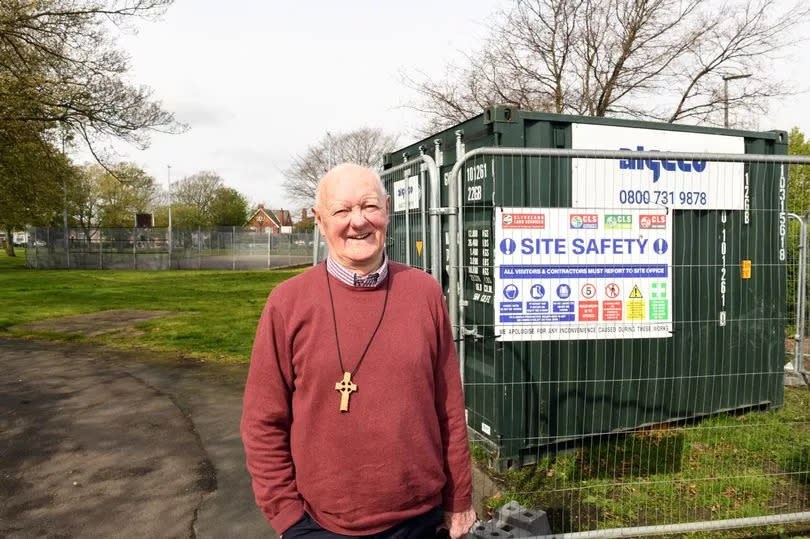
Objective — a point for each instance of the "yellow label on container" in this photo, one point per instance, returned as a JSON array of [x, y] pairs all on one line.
[[745, 269]]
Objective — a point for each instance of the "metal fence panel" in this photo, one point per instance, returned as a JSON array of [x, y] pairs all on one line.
[[228, 248], [692, 425]]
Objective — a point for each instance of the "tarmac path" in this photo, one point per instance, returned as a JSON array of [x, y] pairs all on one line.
[[102, 443]]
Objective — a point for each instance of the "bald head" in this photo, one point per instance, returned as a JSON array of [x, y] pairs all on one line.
[[346, 172], [351, 210]]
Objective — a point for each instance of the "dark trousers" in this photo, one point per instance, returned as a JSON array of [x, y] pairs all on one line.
[[419, 527]]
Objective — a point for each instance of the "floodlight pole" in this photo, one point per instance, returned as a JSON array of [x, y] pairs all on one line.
[[727, 78]]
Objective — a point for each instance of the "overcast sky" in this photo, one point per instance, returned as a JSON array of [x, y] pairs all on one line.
[[258, 81]]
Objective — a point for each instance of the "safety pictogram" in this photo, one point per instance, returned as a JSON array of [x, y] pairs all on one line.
[[636, 292], [659, 291], [588, 291], [612, 290]]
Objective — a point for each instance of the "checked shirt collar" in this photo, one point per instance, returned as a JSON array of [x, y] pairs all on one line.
[[350, 278]]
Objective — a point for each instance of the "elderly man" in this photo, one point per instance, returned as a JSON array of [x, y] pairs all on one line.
[[353, 419]]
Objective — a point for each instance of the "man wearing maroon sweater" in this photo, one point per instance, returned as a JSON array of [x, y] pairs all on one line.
[[353, 419]]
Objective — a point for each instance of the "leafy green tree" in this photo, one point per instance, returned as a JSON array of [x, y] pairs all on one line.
[[111, 199], [197, 192], [185, 216], [229, 208], [798, 202], [33, 178], [799, 176], [304, 226]]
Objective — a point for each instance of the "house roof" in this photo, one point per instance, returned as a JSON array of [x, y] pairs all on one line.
[[269, 216], [278, 217]]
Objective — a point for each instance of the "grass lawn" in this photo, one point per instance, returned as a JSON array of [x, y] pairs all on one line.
[[220, 308]]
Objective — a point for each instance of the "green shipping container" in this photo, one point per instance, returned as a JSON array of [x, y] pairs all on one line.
[[527, 397]]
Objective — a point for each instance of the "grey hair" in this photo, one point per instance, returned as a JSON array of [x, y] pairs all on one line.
[[341, 167]]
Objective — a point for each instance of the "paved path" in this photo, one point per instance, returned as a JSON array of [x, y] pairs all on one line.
[[105, 443]]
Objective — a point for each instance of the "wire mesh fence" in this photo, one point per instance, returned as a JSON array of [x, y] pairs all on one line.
[[228, 248], [623, 327]]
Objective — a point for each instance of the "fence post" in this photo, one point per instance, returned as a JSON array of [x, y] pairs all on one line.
[[100, 249], [199, 246], [233, 247], [169, 245], [802, 303], [268, 250], [316, 244], [36, 249]]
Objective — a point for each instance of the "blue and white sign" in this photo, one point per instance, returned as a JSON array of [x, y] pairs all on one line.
[[407, 194], [637, 183], [563, 273]]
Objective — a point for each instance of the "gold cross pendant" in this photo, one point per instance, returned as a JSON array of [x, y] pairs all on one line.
[[346, 387]]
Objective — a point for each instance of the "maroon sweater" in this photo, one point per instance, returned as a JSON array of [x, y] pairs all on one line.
[[402, 447]]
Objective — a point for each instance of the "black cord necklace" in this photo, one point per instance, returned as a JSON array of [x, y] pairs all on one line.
[[345, 385]]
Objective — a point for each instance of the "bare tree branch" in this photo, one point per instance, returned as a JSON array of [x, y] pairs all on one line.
[[60, 66], [364, 146], [656, 59]]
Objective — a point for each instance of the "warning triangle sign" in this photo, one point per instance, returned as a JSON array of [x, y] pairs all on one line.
[[635, 293], [418, 248]]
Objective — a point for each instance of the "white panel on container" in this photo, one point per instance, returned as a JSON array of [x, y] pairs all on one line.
[[406, 194], [679, 184]]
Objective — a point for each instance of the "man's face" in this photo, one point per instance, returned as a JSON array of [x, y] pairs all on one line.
[[353, 216]]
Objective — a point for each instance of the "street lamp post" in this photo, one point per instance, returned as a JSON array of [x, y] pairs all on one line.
[[727, 78]]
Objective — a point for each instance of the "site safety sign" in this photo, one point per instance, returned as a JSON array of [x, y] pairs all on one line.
[[579, 273]]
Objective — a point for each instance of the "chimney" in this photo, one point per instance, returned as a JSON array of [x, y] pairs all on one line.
[[304, 216]]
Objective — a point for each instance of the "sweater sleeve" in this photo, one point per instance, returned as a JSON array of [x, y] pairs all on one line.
[[266, 421], [457, 493]]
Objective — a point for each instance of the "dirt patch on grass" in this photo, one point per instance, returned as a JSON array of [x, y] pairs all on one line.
[[93, 324]]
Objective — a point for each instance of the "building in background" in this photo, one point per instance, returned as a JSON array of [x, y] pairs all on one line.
[[268, 221]]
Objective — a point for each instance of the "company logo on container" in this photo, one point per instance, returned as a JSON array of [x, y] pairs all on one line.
[[618, 222], [652, 221], [584, 220], [523, 220], [657, 166]]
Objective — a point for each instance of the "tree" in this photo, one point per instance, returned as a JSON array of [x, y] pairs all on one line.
[[304, 226], [229, 207], [195, 194], [364, 146], [110, 199], [659, 59], [799, 175], [29, 168], [60, 66]]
